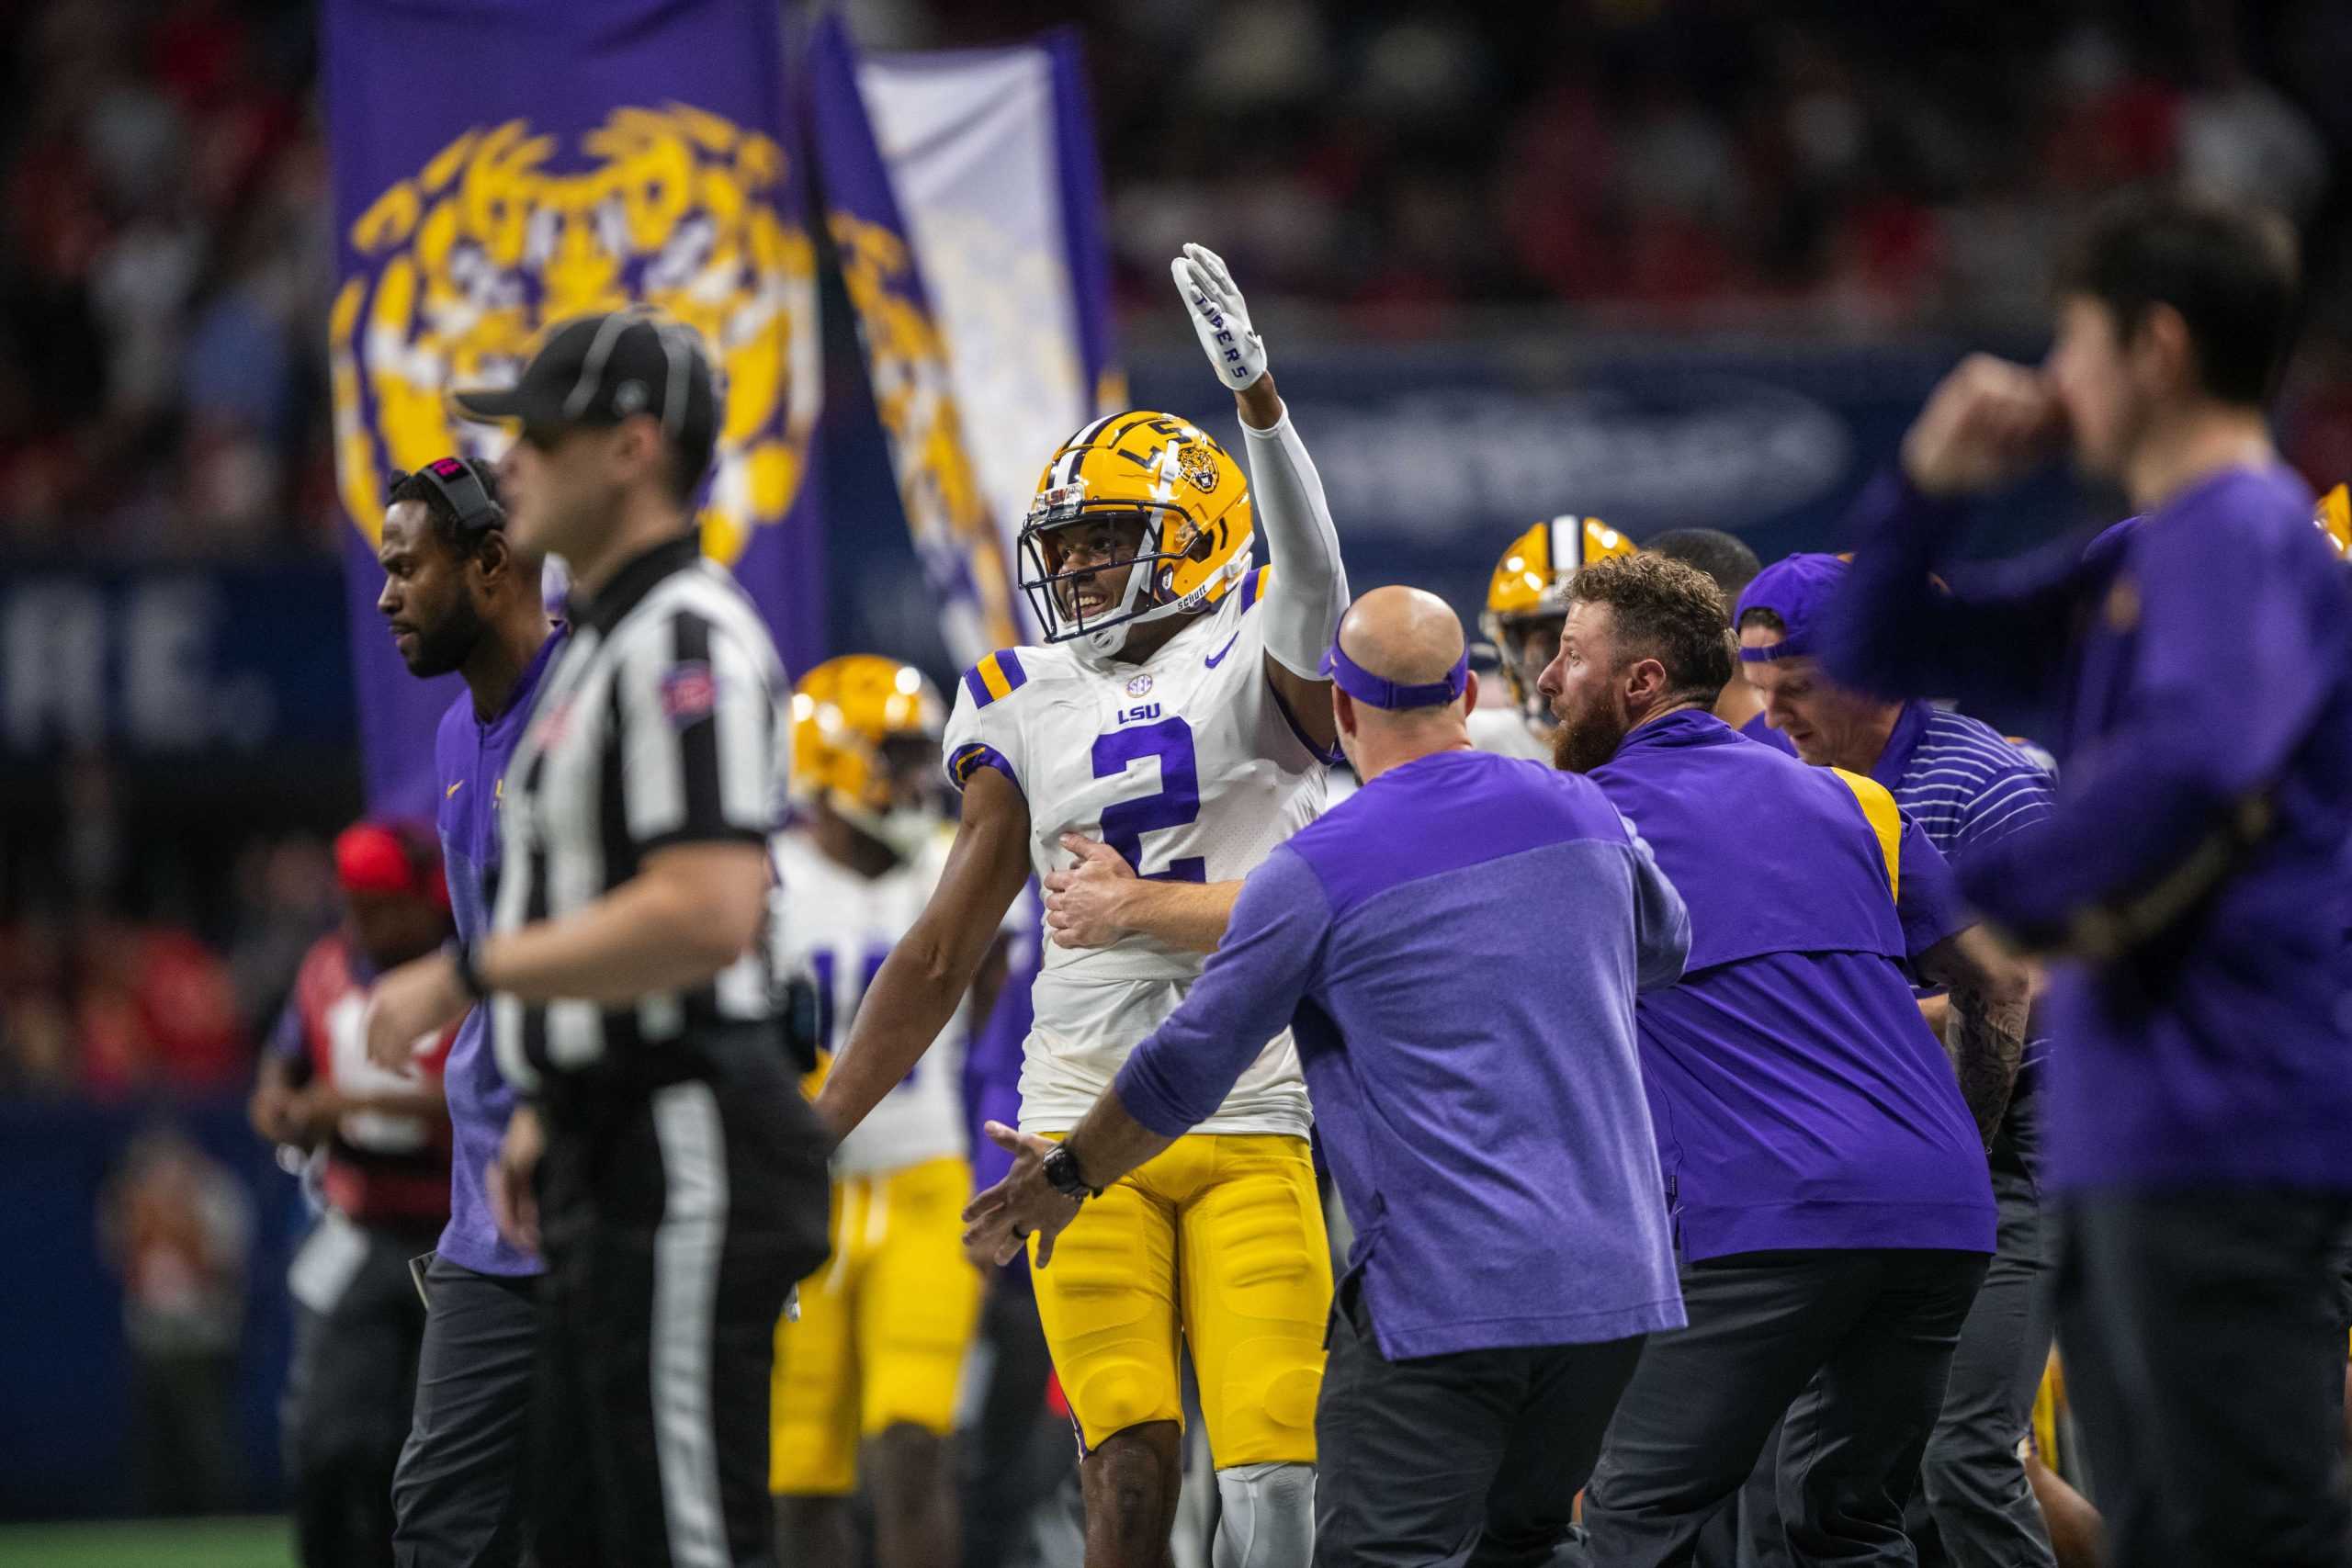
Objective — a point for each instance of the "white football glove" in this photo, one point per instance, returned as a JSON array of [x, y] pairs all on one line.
[[1220, 316]]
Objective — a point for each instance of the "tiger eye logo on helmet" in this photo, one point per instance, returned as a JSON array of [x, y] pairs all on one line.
[[1198, 466]]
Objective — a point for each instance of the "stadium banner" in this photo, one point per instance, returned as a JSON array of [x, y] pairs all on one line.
[[585, 158], [171, 662], [924, 397], [991, 159]]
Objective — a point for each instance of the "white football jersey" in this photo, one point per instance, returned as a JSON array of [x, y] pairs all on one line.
[[1505, 731], [836, 929], [1188, 766]]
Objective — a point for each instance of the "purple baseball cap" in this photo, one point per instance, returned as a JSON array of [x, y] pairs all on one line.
[[1794, 589]]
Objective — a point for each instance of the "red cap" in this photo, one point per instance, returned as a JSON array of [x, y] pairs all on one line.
[[396, 858]]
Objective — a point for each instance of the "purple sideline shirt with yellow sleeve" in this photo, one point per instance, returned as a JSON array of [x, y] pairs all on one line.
[[1799, 1097], [1456, 947], [2201, 665], [470, 762]]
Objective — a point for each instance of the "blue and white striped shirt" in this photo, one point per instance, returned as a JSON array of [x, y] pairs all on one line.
[[1958, 778], [1964, 784]]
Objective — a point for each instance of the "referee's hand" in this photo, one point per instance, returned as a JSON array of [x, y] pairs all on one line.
[[511, 1180]]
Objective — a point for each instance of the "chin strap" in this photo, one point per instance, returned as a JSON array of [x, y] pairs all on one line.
[[1268, 1519]]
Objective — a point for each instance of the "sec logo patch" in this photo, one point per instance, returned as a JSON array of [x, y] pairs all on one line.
[[688, 693], [1139, 686]]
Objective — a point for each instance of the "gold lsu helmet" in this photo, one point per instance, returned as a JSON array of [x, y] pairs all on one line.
[[2334, 516], [848, 715], [1531, 584], [1193, 501]]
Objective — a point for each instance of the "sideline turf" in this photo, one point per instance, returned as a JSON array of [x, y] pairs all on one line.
[[153, 1543]]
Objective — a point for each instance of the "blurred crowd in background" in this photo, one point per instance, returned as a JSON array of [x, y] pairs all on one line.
[[1376, 170], [1410, 168], [116, 985]]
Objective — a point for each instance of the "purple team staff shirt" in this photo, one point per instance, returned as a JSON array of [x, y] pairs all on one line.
[[1458, 947], [2201, 665], [1799, 1097], [470, 762]]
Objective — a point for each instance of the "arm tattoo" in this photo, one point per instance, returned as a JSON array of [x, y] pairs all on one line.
[[1984, 1036]]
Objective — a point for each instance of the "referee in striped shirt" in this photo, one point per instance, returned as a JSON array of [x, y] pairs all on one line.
[[1966, 787], [665, 1162]]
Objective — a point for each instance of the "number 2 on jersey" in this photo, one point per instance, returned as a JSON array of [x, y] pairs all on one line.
[[1177, 803]]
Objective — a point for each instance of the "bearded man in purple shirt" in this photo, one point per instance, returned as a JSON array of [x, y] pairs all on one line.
[[2188, 883], [459, 597], [1824, 1172]]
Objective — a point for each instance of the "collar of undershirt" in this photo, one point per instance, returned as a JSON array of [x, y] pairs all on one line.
[[634, 581]]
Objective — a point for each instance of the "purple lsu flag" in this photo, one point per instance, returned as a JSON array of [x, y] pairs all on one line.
[[582, 158], [965, 200]]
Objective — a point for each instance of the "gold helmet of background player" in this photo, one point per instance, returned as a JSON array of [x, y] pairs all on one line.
[[2334, 519], [1528, 594], [865, 735], [1192, 500]]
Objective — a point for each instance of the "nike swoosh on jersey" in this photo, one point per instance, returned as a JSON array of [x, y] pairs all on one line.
[[1212, 661], [452, 789]]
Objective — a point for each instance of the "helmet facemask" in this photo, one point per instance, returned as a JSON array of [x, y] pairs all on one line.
[[904, 804], [1529, 640], [1145, 595]]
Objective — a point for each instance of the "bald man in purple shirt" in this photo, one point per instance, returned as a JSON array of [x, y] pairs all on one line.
[[2189, 882]]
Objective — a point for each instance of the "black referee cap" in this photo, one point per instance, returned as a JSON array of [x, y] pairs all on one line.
[[599, 371]]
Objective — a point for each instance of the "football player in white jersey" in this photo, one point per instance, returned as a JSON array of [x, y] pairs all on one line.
[[1526, 608], [1176, 713], [873, 1359]]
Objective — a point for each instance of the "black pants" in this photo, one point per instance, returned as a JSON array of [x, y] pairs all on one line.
[[457, 1496], [1853, 1346], [1469, 1458], [347, 1394], [1974, 1508], [2204, 1358], [675, 1221]]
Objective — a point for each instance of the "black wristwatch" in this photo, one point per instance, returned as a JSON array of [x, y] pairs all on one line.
[[1061, 1174], [461, 959]]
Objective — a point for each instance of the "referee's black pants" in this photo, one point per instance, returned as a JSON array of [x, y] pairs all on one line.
[[1853, 1346], [676, 1217], [2203, 1342]]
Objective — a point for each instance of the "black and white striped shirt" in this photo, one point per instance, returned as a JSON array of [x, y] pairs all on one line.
[[662, 722]]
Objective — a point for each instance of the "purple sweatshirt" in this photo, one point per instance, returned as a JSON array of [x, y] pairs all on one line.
[[469, 761], [1457, 946], [2201, 665]]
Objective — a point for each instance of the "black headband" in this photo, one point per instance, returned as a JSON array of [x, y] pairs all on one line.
[[462, 490]]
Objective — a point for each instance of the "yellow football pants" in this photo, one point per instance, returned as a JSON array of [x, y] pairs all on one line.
[[1221, 1238], [883, 1327]]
